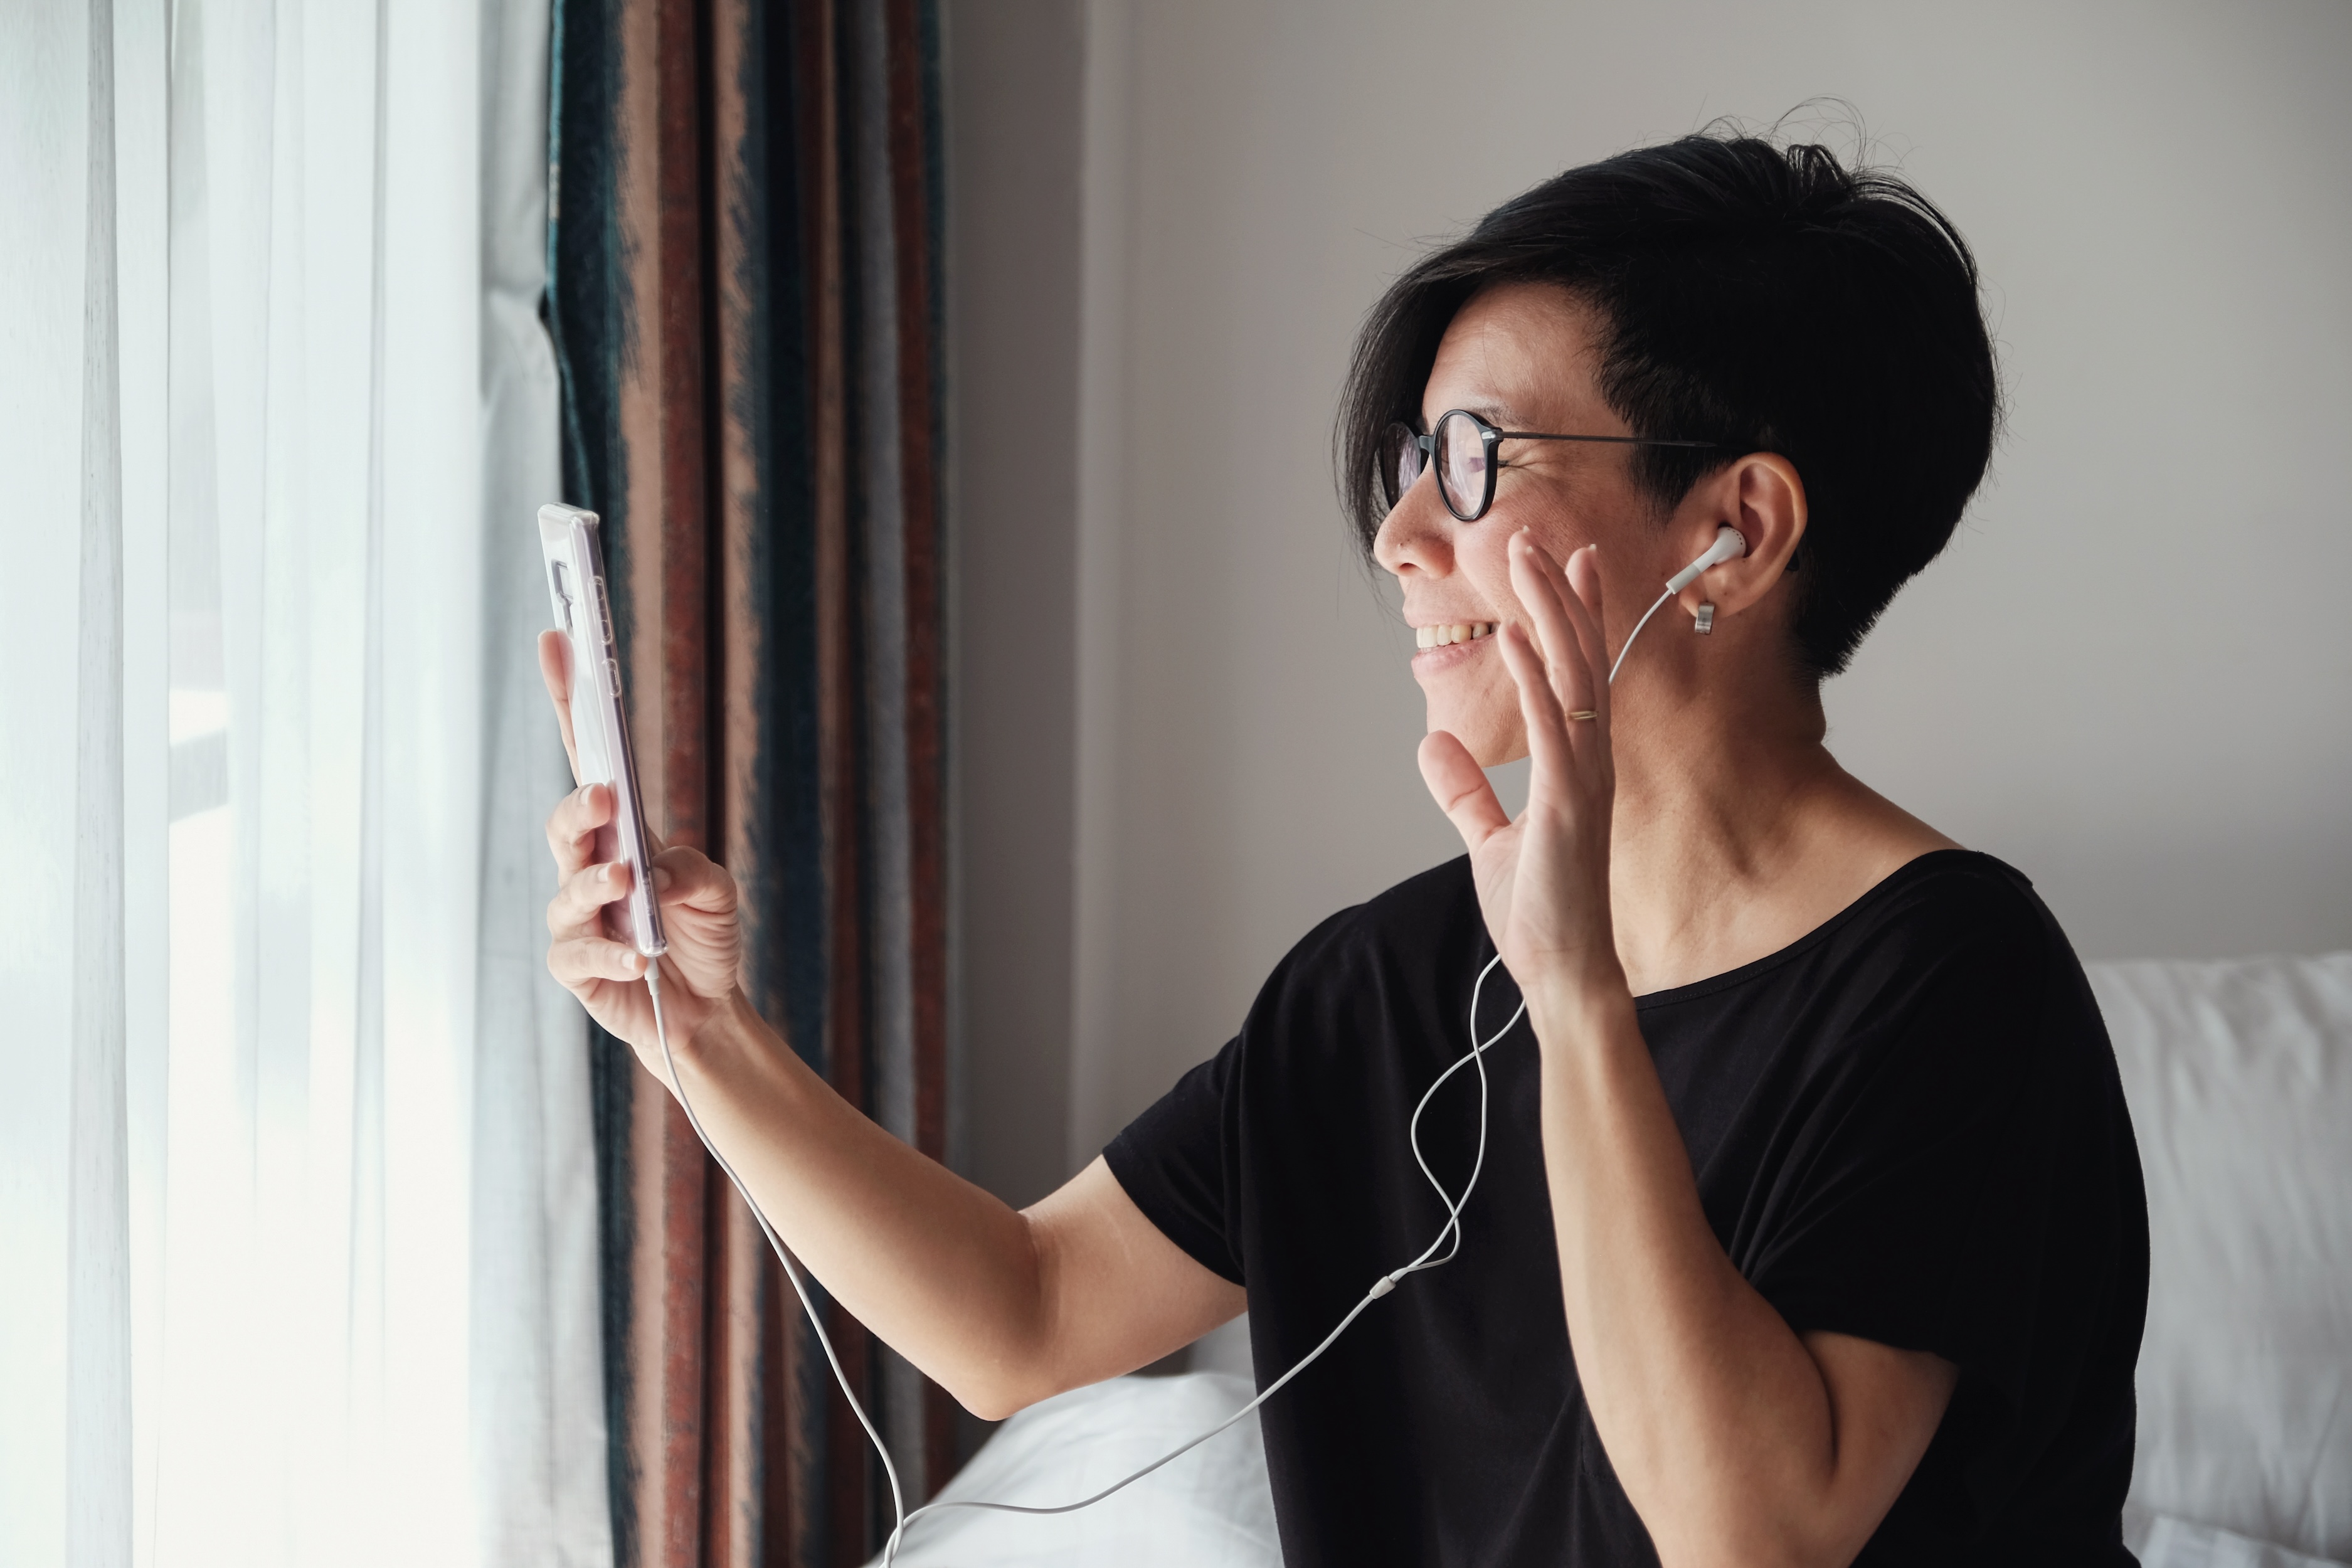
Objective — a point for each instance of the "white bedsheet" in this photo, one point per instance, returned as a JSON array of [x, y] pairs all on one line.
[[2159, 1541], [1211, 1506]]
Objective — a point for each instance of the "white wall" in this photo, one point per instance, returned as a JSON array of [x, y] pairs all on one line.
[[2129, 676], [1014, 85]]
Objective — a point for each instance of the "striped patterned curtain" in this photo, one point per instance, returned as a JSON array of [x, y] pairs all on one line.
[[744, 250]]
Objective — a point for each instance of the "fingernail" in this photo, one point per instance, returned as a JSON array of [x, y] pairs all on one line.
[[661, 879], [610, 873], [636, 960]]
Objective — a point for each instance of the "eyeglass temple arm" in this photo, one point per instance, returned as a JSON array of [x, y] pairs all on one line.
[[1611, 441]]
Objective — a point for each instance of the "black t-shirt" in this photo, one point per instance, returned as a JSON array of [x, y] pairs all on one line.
[[1906, 1126]]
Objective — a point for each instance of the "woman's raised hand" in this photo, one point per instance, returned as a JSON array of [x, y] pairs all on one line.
[[1543, 880], [698, 904]]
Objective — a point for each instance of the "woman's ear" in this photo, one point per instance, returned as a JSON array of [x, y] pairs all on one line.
[[1762, 497]]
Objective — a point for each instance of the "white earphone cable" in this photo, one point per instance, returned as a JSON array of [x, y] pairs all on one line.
[[1644, 621], [792, 1270], [1449, 1237], [1450, 1231]]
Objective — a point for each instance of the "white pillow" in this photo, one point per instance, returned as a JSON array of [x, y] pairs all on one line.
[[2240, 1080], [1210, 1508]]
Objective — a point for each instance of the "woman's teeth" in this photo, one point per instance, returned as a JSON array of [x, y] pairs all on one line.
[[1445, 637]]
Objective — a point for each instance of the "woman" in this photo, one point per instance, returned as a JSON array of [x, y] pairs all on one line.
[[1811, 1228]]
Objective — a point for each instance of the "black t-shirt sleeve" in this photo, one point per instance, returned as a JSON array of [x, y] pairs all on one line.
[[1900, 1214], [1950, 1176], [1172, 1162]]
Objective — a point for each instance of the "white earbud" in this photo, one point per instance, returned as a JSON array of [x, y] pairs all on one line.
[[1729, 544]]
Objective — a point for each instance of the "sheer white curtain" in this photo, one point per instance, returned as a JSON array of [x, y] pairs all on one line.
[[297, 1200]]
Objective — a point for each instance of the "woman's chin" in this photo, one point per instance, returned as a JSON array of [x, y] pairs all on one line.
[[1490, 742], [1472, 698]]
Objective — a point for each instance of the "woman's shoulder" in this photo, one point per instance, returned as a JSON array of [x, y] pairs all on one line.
[[1959, 939], [1960, 902], [1396, 953], [1935, 910], [1961, 929], [1430, 914], [1871, 874], [1951, 943]]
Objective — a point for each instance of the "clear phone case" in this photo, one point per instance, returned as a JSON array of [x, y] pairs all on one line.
[[574, 561]]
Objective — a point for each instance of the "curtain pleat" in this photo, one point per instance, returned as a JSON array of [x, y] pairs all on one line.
[[66, 1220], [746, 303]]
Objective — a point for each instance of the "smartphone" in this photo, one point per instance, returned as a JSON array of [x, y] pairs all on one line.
[[600, 728]]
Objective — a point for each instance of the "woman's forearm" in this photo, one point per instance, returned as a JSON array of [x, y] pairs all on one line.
[[1721, 1424], [945, 1272]]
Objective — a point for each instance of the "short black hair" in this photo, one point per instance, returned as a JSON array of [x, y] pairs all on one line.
[[1759, 297]]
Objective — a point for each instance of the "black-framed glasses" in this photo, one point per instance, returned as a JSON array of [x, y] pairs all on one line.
[[1462, 447]]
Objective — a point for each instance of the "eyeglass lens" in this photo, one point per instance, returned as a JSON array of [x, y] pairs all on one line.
[[1462, 460], [1401, 464]]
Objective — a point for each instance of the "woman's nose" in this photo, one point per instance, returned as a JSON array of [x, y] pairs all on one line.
[[1414, 537]]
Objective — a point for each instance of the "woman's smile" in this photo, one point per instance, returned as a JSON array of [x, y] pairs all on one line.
[[1442, 644]]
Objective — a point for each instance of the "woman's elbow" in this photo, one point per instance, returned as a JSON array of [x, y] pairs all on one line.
[[1739, 1549], [1762, 1532], [1003, 1387], [990, 1400]]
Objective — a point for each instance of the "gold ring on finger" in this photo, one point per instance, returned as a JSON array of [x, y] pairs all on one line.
[[1584, 713]]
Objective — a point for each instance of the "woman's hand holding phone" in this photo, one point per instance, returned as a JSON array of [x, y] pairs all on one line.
[[698, 902], [1002, 1309]]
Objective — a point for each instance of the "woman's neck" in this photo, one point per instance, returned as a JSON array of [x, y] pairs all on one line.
[[1736, 832]]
